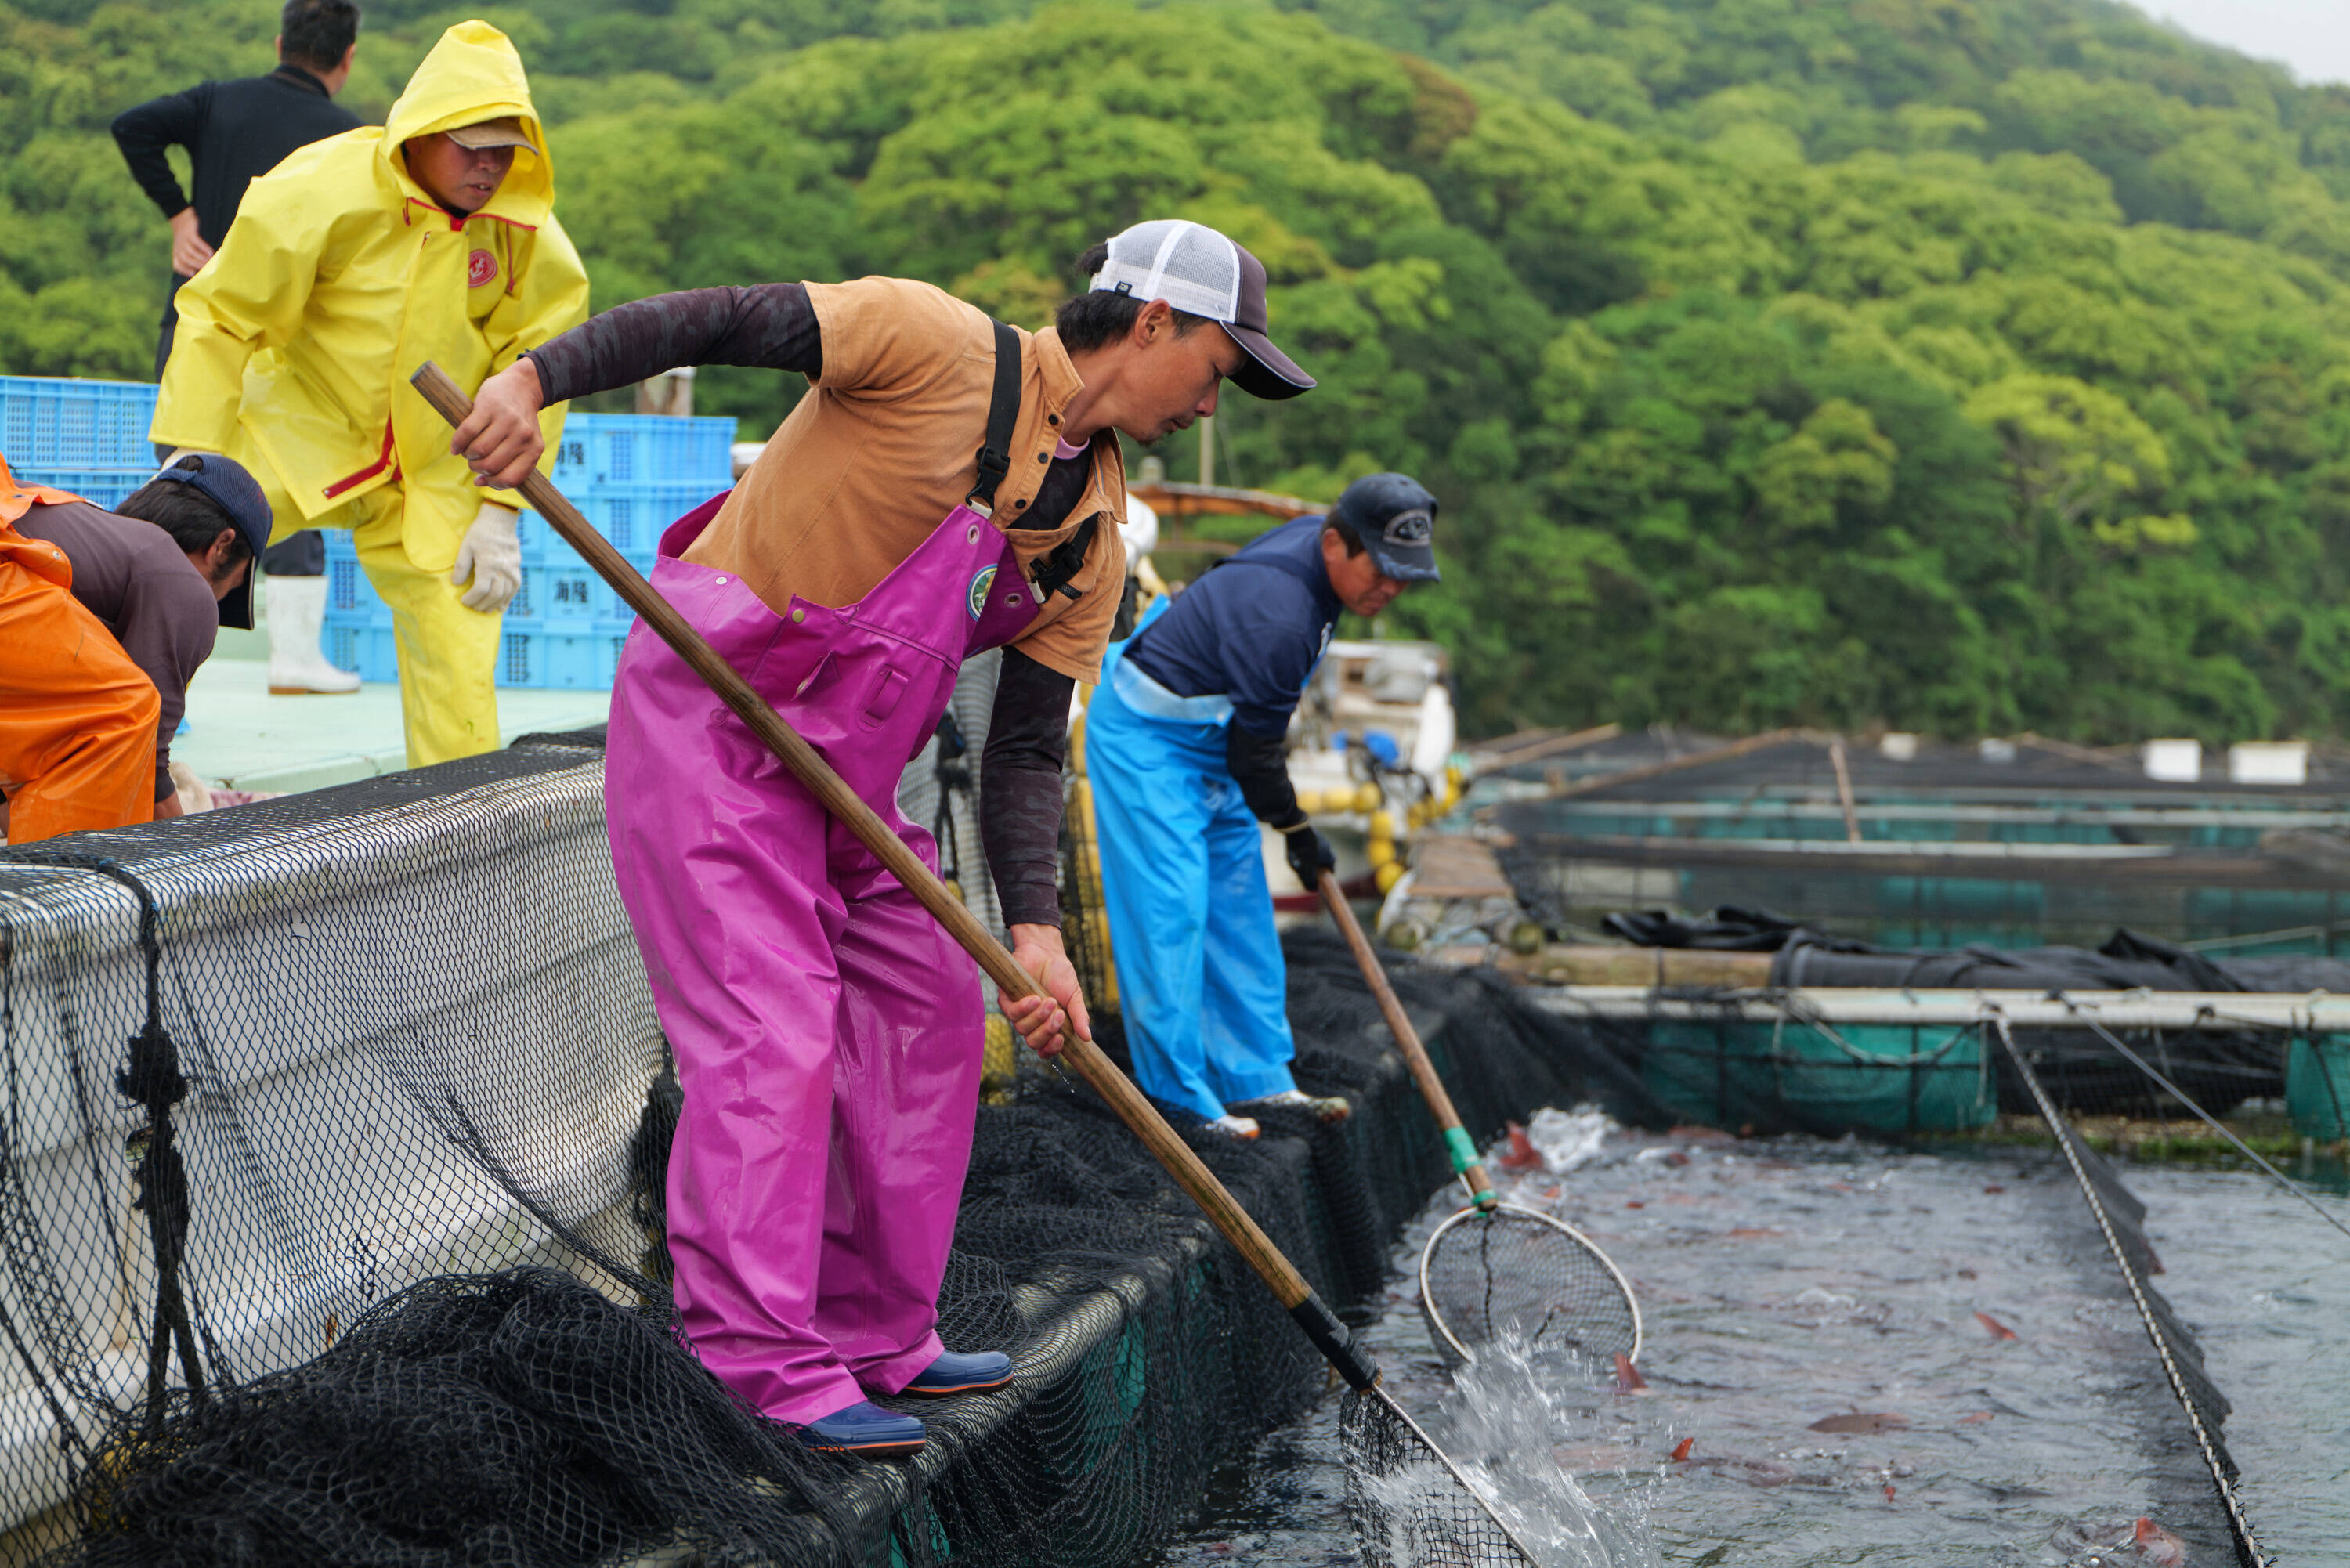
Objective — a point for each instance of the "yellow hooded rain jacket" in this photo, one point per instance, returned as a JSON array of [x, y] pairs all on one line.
[[341, 275]]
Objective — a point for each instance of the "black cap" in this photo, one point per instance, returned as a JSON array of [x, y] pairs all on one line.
[[227, 484], [1395, 517], [1202, 273]]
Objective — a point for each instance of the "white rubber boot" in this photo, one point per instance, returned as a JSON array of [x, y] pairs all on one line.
[[296, 609]]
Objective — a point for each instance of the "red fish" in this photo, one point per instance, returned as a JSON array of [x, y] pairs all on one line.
[[2158, 1545], [2113, 1544], [1997, 1329], [1627, 1377], [1888, 1491], [1523, 1155], [1682, 1450]]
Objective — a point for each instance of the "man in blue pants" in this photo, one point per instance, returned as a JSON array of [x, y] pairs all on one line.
[[1184, 744]]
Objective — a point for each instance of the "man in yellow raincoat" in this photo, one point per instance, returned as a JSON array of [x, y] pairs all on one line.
[[349, 265]]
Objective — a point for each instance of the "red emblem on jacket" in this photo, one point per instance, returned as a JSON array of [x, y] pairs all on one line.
[[481, 267]]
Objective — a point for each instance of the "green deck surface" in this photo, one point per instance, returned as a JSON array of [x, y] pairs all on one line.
[[242, 737]]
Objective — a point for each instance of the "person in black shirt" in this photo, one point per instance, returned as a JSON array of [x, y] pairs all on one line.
[[235, 131]]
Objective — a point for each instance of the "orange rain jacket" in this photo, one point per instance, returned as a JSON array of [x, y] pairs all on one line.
[[76, 717]]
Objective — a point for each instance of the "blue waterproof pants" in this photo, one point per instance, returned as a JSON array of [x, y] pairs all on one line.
[[1200, 976]]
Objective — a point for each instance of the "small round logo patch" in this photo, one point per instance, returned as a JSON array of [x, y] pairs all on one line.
[[977, 597], [481, 267]]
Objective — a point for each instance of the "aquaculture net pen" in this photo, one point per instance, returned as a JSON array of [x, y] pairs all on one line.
[[412, 1082]]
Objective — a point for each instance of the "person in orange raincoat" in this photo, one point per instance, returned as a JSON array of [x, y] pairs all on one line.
[[76, 717]]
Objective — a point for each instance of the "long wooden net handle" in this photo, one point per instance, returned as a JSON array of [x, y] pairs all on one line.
[[1466, 1160], [1222, 1209]]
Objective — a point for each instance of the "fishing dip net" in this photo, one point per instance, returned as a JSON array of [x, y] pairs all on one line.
[[1410, 1505], [1513, 1273], [332, 1140]]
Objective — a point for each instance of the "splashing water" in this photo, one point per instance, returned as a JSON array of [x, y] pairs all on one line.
[[1567, 1139], [1820, 1388], [1504, 1422]]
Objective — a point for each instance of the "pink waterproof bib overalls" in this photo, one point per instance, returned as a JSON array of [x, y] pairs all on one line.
[[827, 1031]]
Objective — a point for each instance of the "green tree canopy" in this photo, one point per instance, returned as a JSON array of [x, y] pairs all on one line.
[[1963, 365]]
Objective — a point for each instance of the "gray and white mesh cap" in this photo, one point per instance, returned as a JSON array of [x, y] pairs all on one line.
[[1201, 273]]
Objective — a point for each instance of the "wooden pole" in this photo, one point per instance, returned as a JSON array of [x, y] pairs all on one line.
[[1657, 770], [1496, 754], [1844, 789], [1463, 1149], [1222, 1209]]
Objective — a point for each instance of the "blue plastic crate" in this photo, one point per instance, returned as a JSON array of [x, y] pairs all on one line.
[[644, 449], [56, 422], [559, 655], [561, 593], [632, 516], [348, 589], [366, 650], [612, 640], [107, 487]]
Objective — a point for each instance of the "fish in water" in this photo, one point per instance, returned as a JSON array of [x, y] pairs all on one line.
[[1754, 1472], [1522, 1154], [1763, 1473], [1861, 1422], [1997, 1329], [1627, 1377], [2143, 1543]]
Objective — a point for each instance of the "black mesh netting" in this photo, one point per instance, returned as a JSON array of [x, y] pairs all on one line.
[[329, 1198]]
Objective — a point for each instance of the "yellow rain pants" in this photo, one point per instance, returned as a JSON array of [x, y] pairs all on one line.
[[341, 277], [448, 654]]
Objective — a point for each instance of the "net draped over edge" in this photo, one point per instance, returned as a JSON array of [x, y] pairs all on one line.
[[399, 1034], [419, 1251]]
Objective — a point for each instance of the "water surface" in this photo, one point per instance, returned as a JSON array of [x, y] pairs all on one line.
[[1788, 1282]]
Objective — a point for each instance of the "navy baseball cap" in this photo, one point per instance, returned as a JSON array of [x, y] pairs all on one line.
[[227, 485], [1395, 517]]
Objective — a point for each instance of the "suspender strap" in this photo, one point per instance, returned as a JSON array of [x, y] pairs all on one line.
[[1053, 573], [1063, 562], [1002, 410]]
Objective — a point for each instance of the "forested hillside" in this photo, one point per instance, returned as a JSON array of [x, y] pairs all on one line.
[[1962, 365]]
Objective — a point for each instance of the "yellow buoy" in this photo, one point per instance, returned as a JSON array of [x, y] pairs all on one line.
[[1388, 876], [1381, 851], [1309, 801], [1382, 825], [1367, 798]]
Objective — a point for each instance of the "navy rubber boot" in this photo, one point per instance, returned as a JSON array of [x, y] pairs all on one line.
[[864, 1428], [961, 1372]]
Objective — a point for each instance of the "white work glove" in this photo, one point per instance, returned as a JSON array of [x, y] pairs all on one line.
[[491, 556]]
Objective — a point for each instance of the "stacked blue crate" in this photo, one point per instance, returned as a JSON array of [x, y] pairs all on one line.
[[88, 436], [631, 475]]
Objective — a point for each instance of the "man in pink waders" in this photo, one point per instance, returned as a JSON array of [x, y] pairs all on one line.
[[950, 485]]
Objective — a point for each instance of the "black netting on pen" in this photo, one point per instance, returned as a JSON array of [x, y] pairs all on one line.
[[2120, 1218], [332, 1140]]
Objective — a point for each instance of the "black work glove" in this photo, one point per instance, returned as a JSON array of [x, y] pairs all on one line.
[[1309, 854]]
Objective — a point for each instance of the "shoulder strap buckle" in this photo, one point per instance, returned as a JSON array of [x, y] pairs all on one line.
[[1064, 561]]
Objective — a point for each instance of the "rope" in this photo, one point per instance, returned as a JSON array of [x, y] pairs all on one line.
[[2243, 1148], [2247, 1547], [151, 1076]]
